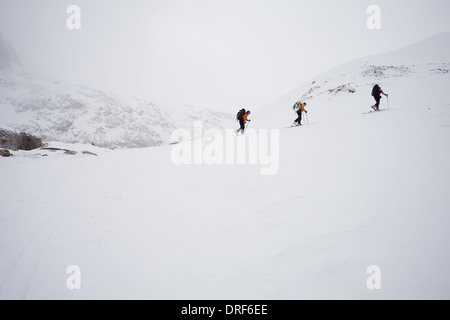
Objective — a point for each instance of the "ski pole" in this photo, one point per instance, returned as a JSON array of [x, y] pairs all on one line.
[[246, 125], [388, 103], [306, 115]]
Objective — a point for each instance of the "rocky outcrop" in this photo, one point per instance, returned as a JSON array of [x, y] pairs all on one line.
[[90, 153], [5, 153], [19, 141]]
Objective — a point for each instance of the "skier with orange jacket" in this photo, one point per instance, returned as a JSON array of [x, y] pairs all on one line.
[[300, 108], [242, 117]]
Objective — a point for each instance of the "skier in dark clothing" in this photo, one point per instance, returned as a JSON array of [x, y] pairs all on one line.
[[376, 93], [243, 119], [299, 107]]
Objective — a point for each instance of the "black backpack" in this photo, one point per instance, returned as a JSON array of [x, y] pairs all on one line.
[[296, 106], [375, 90], [240, 114]]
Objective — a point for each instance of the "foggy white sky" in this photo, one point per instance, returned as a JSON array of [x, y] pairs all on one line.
[[223, 54]]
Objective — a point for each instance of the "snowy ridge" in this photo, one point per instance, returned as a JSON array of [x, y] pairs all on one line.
[[346, 90], [8, 56], [58, 111]]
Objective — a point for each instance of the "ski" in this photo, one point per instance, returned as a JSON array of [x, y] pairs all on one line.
[[373, 111], [296, 126]]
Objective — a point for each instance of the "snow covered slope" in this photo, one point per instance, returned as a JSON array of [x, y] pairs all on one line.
[[352, 191], [58, 111], [416, 77]]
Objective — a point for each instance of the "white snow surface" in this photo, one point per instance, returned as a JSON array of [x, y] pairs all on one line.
[[352, 191]]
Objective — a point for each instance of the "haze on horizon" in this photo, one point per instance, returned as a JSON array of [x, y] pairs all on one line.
[[213, 53]]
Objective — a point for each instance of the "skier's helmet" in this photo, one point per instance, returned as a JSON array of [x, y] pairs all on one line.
[[249, 112]]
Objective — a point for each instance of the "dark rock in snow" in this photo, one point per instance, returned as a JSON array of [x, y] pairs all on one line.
[[19, 141], [5, 153], [89, 153], [66, 151]]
